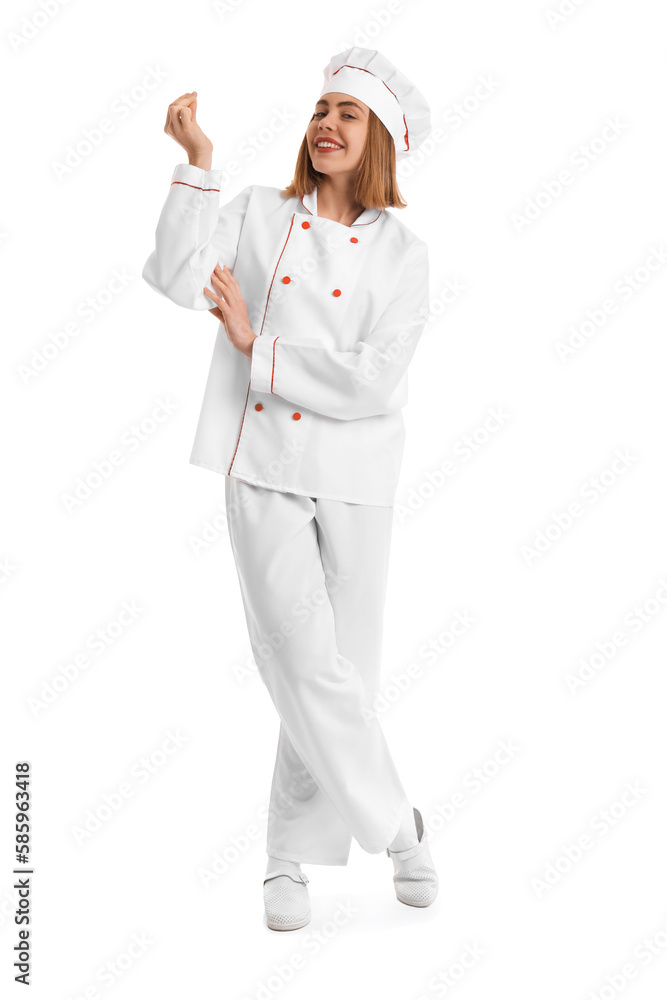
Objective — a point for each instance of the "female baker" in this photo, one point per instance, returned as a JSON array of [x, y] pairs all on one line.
[[322, 296]]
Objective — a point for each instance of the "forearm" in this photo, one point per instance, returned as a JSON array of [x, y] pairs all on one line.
[[366, 381], [345, 385]]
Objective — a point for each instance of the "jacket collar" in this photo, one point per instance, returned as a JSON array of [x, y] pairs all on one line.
[[309, 202]]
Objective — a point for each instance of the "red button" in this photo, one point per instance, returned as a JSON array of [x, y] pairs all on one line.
[[296, 416], [258, 406], [353, 239], [305, 225], [286, 280], [336, 291]]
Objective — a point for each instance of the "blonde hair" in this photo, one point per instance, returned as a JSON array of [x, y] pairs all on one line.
[[375, 181]]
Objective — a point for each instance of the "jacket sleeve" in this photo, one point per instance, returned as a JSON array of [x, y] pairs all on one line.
[[367, 381], [193, 234]]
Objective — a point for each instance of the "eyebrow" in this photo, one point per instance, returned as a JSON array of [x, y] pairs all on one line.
[[341, 104]]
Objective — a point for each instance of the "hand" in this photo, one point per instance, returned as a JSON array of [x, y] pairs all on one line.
[[182, 126], [231, 311]]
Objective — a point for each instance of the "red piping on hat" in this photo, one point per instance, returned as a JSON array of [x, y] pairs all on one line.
[[349, 66]]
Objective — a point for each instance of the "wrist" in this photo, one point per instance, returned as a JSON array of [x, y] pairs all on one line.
[[249, 345], [201, 161]]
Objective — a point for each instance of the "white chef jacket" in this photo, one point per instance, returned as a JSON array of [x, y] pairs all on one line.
[[338, 311]]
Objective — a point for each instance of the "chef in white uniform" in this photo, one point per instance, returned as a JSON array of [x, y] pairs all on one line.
[[302, 415]]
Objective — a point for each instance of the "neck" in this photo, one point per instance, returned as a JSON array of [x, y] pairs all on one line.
[[335, 200]]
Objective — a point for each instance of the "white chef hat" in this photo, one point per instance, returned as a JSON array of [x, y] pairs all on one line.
[[370, 76]]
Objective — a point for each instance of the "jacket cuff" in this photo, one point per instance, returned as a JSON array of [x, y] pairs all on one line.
[[262, 363], [197, 177]]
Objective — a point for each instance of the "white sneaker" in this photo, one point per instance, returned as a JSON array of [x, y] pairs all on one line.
[[415, 878], [286, 898]]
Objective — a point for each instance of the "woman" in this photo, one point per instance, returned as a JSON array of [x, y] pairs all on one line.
[[322, 296]]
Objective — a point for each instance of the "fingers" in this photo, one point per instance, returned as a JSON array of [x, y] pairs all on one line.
[[223, 279], [179, 118], [190, 93], [225, 292], [224, 274], [217, 298], [185, 101], [227, 288], [179, 100]]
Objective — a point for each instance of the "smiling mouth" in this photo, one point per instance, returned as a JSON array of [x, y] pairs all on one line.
[[324, 144]]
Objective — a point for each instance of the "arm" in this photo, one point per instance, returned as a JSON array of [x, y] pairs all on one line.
[[364, 382], [193, 234]]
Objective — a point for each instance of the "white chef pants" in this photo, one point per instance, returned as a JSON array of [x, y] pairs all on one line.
[[313, 577]]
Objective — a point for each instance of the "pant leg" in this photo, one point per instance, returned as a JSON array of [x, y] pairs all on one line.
[[303, 823], [354, 542], [323, 701]]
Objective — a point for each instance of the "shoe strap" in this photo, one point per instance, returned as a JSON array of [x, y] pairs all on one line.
[[409, 852], [300, 877]]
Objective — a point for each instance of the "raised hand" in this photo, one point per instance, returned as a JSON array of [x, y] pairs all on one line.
[[181, 125]]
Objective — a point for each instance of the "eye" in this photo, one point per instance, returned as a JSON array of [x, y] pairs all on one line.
[[323, 112]]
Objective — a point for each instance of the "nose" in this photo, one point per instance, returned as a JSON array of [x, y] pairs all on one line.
[[324, 126]]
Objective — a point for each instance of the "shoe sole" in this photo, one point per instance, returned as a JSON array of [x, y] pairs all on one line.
[[286, 927], [415, 904]]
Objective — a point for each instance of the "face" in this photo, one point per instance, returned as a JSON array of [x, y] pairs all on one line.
[[343, 121]]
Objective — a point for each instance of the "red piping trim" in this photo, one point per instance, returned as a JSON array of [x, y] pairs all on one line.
[[273, 366], [367, 223], [354, 223], [274, 274], [240, 429], [349, 66], [259, 335], [195, 186]]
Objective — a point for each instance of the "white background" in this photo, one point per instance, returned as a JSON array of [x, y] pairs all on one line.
[[540, 925]]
